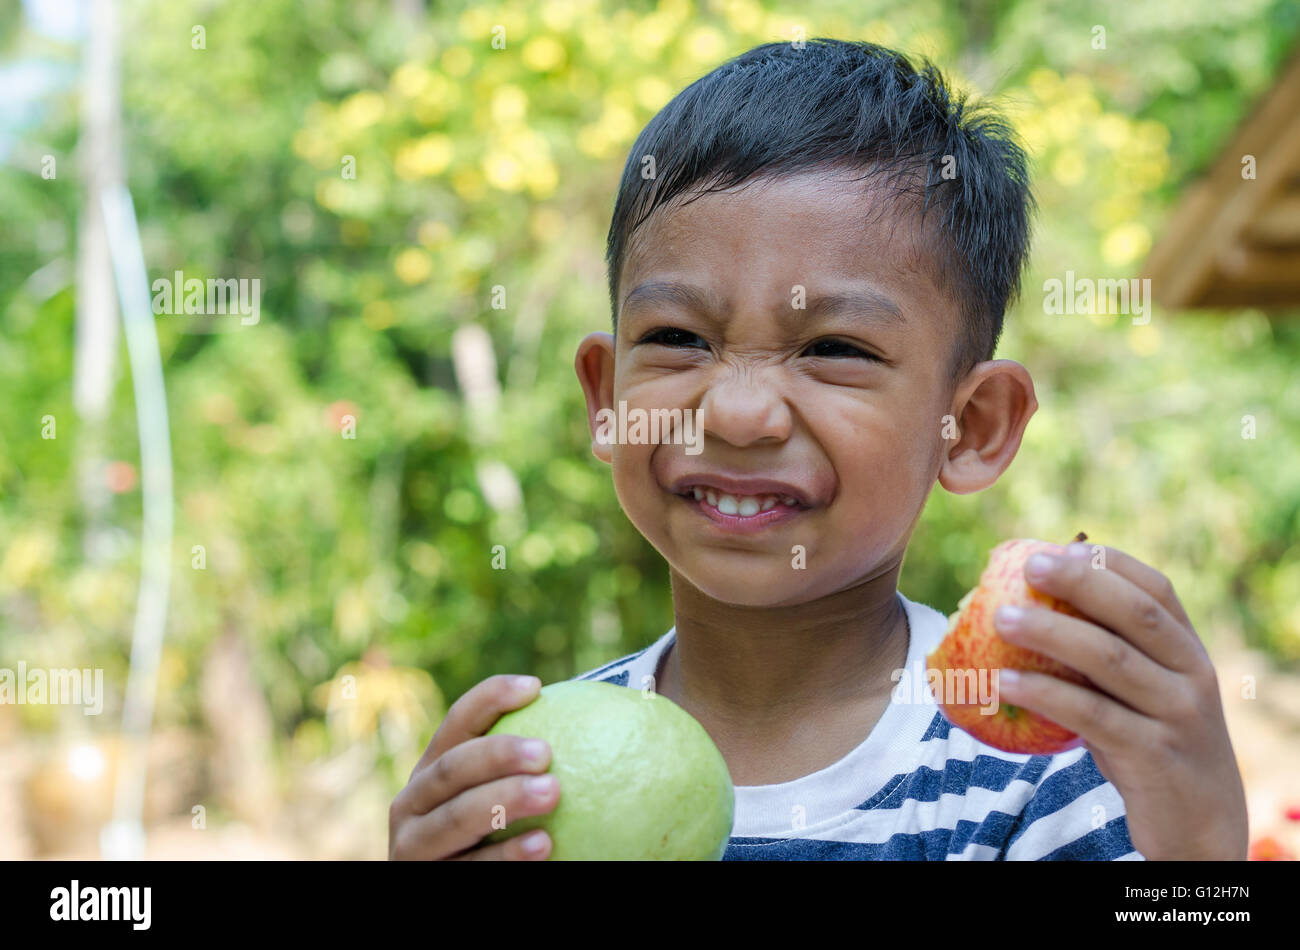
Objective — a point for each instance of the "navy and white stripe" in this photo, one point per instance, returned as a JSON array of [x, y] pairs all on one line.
[[918, 789]]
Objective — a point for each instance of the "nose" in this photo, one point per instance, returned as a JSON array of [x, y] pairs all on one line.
[[744, 407]]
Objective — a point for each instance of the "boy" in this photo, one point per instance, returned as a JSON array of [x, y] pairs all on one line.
[[818, 266]]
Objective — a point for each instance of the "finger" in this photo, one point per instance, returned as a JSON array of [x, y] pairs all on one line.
[[1113, 664], [477, 710], [466, 819], [1118, 604], [1143, 575], [534, 846], [1100, 720], [475, 762]]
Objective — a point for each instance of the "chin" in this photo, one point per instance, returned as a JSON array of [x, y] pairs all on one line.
[[778, 586]]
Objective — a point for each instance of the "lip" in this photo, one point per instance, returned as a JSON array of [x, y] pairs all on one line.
[[741, 524], [740, 485]]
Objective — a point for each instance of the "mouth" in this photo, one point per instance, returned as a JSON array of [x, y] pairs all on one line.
[[743, 507]]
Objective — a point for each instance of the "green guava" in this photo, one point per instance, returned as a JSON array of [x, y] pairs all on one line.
[[640, 779]]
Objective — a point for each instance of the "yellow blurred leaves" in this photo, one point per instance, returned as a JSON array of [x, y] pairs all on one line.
[[502, 170], [566, 543], [543, 54], [706, 45], [439, 95], [469, 184], [521, 158], [1126, 243], [616, 126], [559, 14], [348, 197], [352, 615], [1113, 131], [361, 110], [366, 699], [457, 62], [546, 224], [592, 141], [28, 556], [509, 103], [1044, 84], [476, 22], [1144, 340], [410, 80], [653, 33], [1115, 159], [652, 93], [743, 16], [424, 559], [1068, 167], [424, 157], [541, 178], [378, 314], [881, 32], [434, 234], [413, 266], [310, 143]]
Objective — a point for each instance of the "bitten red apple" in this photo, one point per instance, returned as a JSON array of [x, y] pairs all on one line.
[[971, 643]]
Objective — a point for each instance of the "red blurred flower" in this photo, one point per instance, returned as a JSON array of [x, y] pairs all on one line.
[[1269, 849], [337, 412], [120, 477]]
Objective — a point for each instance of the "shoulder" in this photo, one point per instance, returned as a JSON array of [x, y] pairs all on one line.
[[631, 670], [925, 625]]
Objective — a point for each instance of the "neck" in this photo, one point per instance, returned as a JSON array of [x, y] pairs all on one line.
[[758, 664]]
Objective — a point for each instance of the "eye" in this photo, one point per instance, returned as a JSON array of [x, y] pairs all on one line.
[[671, 336], [838, 349]]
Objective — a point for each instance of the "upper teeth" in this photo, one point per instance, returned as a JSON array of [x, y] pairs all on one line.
[[744, 505]]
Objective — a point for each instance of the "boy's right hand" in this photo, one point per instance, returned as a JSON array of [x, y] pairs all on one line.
[[446, 808]]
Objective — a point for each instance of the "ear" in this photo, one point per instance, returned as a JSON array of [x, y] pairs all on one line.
[[595, 366], [992, 406]]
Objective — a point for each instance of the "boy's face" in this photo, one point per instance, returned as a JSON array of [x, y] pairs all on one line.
[[842, 401]]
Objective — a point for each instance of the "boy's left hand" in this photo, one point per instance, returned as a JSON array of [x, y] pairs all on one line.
[[1155, 724]]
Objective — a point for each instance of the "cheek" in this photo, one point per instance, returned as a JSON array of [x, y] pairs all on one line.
[[884, 461], [635, 484]]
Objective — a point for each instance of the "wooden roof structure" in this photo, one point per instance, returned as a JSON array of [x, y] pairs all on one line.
[[1234, 241]]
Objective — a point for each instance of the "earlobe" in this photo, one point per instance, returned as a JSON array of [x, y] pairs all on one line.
[[993, 405], [594, 364]]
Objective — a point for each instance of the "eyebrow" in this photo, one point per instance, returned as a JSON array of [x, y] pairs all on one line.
[[863, 302]]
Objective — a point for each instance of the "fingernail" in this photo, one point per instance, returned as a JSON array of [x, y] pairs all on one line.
[[1039, 566], [1009, 677], [534, 751], [525, 683], [1078, 549], [535, 843], [539, 786], [1009, 616]]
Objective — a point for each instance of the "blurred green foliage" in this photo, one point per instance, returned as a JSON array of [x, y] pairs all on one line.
[[479, 168]]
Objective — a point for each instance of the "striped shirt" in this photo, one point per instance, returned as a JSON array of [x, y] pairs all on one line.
[[919, 789]]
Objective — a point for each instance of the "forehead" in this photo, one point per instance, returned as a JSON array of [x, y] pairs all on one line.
[[758, 240]]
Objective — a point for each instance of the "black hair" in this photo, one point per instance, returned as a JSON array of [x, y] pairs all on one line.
[[779, 109]]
